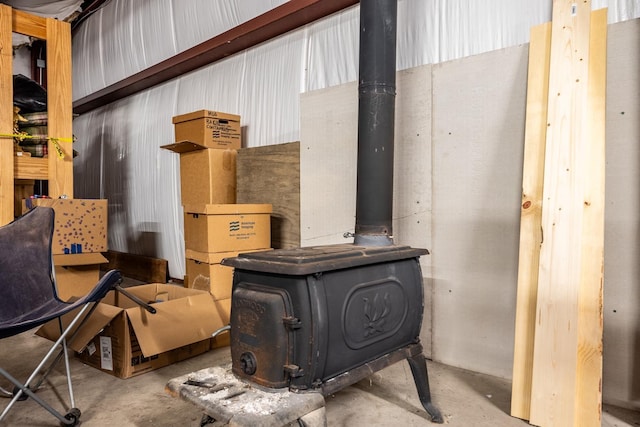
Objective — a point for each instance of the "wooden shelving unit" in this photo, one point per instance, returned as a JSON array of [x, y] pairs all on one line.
[[58, 171]]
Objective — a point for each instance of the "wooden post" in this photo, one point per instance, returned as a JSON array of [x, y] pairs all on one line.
[[59, 108], [6, 116], [58, 171]]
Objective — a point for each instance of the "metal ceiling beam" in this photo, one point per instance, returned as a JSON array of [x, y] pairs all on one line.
[[284, 18]]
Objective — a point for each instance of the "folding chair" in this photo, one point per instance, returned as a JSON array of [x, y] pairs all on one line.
[[28, 298]]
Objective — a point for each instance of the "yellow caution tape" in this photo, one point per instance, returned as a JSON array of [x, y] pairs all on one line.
[[54, 141]]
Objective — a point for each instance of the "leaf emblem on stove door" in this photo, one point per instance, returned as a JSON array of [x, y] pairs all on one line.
[[375, 312]]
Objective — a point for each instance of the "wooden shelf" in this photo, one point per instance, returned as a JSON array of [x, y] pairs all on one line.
[[57, 170], [31, 168]]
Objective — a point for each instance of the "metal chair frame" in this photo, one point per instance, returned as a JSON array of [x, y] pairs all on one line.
[[28, 299]]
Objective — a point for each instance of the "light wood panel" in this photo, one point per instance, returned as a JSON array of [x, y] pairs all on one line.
[[573, 179], [530, 217], [6, 116], [590, 317]]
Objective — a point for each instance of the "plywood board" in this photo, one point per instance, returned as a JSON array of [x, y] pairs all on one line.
[[271, 174], [530, 218]]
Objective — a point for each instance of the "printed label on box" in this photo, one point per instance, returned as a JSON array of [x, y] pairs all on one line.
[[106, 354], [91, 348], [242, 230]]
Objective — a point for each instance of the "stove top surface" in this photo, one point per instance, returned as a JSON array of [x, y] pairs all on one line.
[[316, 259]]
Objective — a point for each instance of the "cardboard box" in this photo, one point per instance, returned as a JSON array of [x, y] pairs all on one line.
[[207, 176], [210, 129], [77, 274], [80, 224], [205, 272], [227, 228], [124, 340]]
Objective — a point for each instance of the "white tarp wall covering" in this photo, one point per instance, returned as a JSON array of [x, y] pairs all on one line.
[[120, 158]]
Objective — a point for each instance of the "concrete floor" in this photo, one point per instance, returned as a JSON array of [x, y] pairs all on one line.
[[387, 398]]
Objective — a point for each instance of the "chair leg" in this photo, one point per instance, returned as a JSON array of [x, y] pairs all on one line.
[[67, 369], [23, 388], [31, 394], [61, 353]]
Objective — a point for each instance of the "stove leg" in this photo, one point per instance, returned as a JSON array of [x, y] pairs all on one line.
[[418, 366]]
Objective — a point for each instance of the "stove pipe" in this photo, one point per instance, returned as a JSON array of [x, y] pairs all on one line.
[[376, 114]]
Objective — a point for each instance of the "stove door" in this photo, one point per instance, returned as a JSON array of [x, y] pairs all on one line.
[[261, 345]]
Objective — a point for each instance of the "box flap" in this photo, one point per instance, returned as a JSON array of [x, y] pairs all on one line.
[[89, 258], [229, 209], [184, 147], [209, 257], [101, 316], [187, 316], [205, 113], [216, 257]]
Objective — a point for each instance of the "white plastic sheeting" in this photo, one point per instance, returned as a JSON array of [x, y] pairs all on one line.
[[58, 9], [120, 158]]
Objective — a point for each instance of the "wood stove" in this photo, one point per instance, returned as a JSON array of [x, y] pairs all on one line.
[[322, 318]]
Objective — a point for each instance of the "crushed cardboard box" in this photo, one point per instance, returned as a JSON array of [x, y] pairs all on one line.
[[123, 339]]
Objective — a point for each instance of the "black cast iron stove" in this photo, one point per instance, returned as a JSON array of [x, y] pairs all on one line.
[[322, 318]]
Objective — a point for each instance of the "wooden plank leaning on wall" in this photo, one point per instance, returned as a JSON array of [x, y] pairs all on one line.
[[563, 374], [530, 217]]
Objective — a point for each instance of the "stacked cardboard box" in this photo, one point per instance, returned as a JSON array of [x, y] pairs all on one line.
[[79, 237], [215, 232], [215, 227]]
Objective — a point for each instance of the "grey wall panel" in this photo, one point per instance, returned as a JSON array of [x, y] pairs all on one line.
[[328, 153], [621, 377], [478, 135]]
